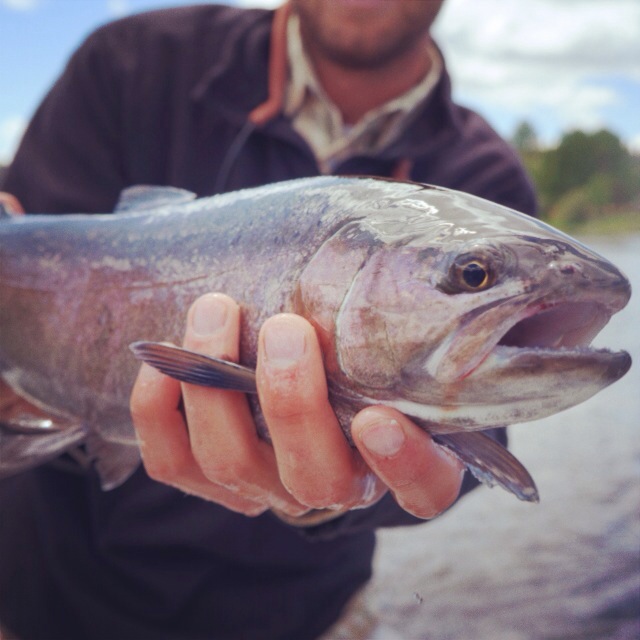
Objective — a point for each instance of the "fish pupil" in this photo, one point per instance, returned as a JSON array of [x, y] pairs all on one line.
[[474, 275]]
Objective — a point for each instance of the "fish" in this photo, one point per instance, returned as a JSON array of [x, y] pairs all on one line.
[[461, 313]]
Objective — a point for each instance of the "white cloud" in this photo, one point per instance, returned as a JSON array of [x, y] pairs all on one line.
[[634, 144], [543, 56], [11, 130], [118, 8], [20, 5], [582, 33], [267, 4]]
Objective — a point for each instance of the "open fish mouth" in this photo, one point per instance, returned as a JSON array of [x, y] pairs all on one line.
[[537, 363], [545, 363], [566, 326], [556, 339], [541, 331]]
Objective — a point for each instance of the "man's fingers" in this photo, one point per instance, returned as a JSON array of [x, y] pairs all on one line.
[[213, 327], [221, 427], [155, 402], [219, 455], [316, 463], [424, 478], [164, 441]]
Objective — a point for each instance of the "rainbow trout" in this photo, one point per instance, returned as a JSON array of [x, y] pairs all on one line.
[[461, 313]]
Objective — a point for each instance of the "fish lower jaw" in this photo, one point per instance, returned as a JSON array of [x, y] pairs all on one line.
[[442, 419], [578, 356], [511, 385], [562, 377]]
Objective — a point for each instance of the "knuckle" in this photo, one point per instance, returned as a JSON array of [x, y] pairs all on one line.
[[287, 406], [247, 508], [294, 511], [166, 470], [327, 494], [253, 512], [286, 397], [229, 472], [289, 412], [141, 408], [151, 395]]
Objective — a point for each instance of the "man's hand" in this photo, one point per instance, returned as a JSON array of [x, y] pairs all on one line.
[[217, 455], [11, 203]]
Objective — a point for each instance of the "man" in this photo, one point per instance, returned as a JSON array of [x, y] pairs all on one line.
[[271, 542]]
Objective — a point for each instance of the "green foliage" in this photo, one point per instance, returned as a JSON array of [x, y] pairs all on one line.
[[587, 176], [573, 208], [525, 138]]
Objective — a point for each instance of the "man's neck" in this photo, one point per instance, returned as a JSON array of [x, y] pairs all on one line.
[[357, 91]]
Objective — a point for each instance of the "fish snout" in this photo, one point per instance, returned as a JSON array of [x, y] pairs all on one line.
[[597, 278]]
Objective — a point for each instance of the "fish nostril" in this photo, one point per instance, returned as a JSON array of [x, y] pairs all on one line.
[[566, 268]]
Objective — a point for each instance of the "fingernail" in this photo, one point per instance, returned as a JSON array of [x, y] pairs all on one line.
[[383, 437], [209, 315], [284, 343]]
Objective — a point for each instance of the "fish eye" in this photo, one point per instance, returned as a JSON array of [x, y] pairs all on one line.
[[475, 275], [471, 272]]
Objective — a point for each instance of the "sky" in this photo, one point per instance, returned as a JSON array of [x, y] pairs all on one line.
[[560, 65]]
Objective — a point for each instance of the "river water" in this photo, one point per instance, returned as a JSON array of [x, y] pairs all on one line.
[[494, 568]]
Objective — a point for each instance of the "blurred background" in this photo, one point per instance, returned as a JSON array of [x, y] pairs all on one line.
[[560, 79]]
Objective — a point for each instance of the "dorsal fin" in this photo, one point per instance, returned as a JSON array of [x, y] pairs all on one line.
[[146, 198]]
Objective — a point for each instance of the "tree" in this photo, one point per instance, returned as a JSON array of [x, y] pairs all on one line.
[[525, 138], [598, 160]]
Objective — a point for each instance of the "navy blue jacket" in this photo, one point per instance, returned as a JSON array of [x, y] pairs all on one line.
[[166, 98]]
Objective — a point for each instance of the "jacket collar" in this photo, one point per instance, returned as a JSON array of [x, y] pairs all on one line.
[[257, 53]]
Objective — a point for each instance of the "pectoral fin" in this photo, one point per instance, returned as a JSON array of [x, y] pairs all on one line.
[[491, 463], [195, 368]]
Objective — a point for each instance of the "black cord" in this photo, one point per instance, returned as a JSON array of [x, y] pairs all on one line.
[[232, 155]]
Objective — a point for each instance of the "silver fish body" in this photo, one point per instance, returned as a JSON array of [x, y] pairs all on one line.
[[459, 312]]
